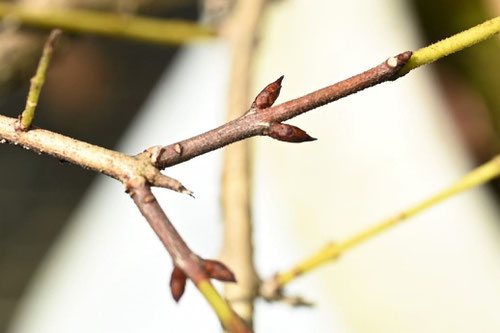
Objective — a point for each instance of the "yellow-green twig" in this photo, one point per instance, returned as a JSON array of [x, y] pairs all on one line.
[[227, 316], [452, 44], [160, 31], [37, 81], [479, 176]]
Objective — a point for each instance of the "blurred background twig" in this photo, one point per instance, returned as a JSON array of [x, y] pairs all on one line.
[[241, 30], [113, 25]]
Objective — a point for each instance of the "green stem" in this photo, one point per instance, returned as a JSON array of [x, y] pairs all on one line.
[[38, 80], [452, 44], [159, 31], [479, 176], [228, 318]]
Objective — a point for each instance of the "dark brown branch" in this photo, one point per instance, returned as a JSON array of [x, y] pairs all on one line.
[[258, 122]]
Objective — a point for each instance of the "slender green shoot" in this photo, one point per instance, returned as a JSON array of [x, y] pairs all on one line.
[[479, 176], [38, 80], [131, 27]]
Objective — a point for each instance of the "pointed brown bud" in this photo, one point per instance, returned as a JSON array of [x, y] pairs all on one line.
[[177, 283], [288, 133], [268, 95], [219, 271]]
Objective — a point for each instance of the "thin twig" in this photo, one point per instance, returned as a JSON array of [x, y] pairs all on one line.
[[183, 258], [258, 123], [479, 176], [37, 81], [139, 28]]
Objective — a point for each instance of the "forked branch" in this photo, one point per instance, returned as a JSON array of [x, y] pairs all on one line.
[[140, 172]]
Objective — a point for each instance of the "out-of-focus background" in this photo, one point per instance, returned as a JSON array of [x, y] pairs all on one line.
[[378, 152]]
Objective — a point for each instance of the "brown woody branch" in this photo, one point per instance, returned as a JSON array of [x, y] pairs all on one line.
[[182, 256], [258, 121], [137, 174], [186, 263], [140, 172], [112, 163]]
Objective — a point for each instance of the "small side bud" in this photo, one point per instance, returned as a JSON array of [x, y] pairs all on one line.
[[177, 283], [288, 133], [218, 271], [268, 95]]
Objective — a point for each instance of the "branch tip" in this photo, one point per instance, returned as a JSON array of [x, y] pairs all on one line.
[[161, 180], [188, 192]]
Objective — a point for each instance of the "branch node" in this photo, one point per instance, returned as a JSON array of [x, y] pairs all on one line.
[[154, 153], [132, 184], [398, 62], [213, 269], [271, 291]]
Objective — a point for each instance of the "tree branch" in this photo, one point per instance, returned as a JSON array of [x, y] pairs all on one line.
[[258, 122], [112, 163], [184, 259]]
